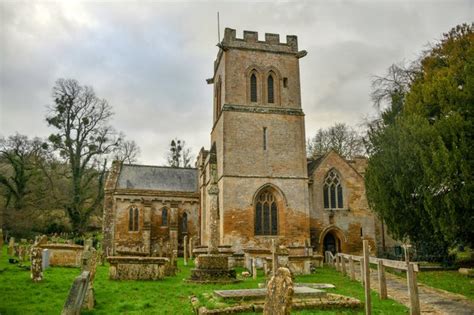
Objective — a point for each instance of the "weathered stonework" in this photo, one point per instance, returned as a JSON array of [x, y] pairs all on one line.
[[137, 268], [36, 264], [279, 293]]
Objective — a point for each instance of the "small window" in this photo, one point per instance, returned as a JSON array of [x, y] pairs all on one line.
[[285, 82], [133, 219], [264, 138], [271, 98], [164, 217], [253, 88], [332, 191]]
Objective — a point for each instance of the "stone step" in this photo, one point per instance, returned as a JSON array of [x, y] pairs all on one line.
[[252, 294]]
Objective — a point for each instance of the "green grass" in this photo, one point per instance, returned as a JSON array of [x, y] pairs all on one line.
[[451, 281], [18, 295]]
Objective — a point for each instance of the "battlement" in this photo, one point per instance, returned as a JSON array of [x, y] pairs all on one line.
[[250, 41]]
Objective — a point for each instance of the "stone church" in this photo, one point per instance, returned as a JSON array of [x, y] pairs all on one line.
[[267, 188]]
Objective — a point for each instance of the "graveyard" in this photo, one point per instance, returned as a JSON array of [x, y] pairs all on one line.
[[171, 295]]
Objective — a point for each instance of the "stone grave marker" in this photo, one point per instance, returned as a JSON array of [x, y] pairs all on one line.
[[279, 293], [191, 247], [89, 264], [11, 246], [45, 259], [36, 264], [185, 250], [77, 295]]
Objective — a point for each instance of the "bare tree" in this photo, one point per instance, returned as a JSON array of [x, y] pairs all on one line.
[[340, 138], [127, 151], [19, 157], [83, 137]]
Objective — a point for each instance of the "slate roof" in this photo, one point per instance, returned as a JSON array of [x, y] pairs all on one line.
[[314, 163], [158, 178]]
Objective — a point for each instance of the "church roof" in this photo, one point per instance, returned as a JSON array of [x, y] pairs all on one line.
[[313, 163], [158, 178]]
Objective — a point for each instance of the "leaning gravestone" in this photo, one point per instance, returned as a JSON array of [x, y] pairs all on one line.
[[36, 264], [77, 295], [89, 264], [279, 293]]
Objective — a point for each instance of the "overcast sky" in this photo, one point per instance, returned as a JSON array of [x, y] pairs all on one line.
[[150, 59]]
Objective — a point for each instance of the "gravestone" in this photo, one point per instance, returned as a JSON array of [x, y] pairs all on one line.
[[36, 264], [185, 250], [45, 259], [191, 247], [11, 246], [89, 264], [77, 295], [279, 293], [1, 240]]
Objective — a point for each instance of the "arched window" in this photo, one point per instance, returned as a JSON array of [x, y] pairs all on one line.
[[270, 92], [253, 88], [332, 191], [266, 214], [164, 216], [133, 219], [184, 223]]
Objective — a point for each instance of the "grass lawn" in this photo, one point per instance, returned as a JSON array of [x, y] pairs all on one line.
[[18, 295], [451, 281]]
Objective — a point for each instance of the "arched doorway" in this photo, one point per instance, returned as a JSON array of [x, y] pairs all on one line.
[[330, 243]]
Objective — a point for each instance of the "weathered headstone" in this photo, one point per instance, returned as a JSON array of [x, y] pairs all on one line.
[[36, 264], [11, 246], [185, 250], [77, 295], [45, 259], [279, 293], [89, 263], [274, 257], [191, 247], [254, 269]]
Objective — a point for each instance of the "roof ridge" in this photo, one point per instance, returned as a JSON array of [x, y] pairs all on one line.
[[161, 166]]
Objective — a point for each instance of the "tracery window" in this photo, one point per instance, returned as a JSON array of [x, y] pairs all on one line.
[[266, 214], [133, 219], [253, 88], [332, 191], [164, 216], [270, 92]]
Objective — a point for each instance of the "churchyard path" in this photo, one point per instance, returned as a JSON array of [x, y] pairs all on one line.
[[432, 301]]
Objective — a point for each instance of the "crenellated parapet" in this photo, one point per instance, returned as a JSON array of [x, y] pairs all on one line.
[[250, 41]]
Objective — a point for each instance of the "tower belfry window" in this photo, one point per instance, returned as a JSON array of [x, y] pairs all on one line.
[[253, 88], [271, 98]]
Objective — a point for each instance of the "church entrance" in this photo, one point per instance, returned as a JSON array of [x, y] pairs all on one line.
[[331, 243]]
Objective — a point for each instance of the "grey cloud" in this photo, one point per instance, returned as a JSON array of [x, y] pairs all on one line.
[[150, 59]]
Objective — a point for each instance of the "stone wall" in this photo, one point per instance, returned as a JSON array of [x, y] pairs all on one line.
[[133, 242]]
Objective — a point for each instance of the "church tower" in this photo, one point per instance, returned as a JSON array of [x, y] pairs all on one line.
[[257, 143]]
